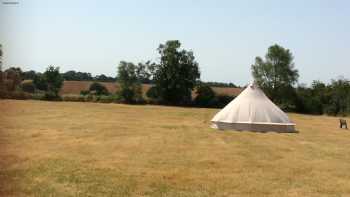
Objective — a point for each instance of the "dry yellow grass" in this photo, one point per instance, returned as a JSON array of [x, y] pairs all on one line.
[[90, 149]]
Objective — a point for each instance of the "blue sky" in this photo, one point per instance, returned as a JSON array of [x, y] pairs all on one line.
[[225, 36]]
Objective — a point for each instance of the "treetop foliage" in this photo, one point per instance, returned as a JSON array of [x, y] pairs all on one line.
[[176, 74], [276, 74]]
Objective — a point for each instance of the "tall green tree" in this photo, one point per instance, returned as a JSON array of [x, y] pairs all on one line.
[[176, 74], [130, 86], [276, 74]]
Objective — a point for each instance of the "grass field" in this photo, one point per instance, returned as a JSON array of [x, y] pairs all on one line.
[[90, 149]]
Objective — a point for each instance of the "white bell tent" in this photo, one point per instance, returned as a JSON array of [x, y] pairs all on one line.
[[252, 110]]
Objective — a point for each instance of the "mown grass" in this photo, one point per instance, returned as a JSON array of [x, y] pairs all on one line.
[[93, 149], [59, 177]]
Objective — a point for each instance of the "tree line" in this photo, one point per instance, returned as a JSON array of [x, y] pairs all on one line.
[[73, 75], [177, 74], [173, 79], [69, 76]]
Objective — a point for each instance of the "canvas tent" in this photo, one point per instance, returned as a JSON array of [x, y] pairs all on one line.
[[252, 110]]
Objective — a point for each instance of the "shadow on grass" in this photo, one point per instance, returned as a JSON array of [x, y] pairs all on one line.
[[64, 178]]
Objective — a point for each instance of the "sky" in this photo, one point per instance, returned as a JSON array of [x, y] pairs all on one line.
[[225, 36]]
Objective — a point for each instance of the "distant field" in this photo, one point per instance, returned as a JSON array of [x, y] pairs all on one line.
[[90, 149], [74, 87]]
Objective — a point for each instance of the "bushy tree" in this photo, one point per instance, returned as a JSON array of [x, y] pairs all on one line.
[[130, 87], [17, 70], [276, 74], [12, 78], [28, 86], [1, 54], [50, 81], [29, 75], [205, 96], [339, 96], [152, 93], [223, 100], [319, 98], [104, 78], [98, 89], [144, 72], [40, 82], [54, 79], [176, 74], [2, 83], [220, 84], [84, 92], [307, 101], [77, 76]]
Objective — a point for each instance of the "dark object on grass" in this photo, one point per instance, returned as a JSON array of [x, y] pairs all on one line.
[[343, 123]]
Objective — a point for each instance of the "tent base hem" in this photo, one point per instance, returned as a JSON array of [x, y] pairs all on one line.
[[254, 127]]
